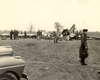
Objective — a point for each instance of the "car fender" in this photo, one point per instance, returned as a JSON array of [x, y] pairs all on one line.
[[12, 64]]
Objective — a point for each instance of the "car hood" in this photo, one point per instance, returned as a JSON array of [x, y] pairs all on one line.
[[6, 50]]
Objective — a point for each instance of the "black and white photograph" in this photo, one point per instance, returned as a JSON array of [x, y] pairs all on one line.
[[49, 39]]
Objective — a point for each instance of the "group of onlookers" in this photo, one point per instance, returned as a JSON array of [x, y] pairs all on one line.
[[14, 34]]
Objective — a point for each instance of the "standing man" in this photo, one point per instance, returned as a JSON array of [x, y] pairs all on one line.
[[77, 35], [55, 37], [25, 34], [14, 34], [83, 51], [17, 34], [38, 34], [11, 34]]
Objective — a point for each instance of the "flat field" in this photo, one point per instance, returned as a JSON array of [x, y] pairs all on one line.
[[48, 61]]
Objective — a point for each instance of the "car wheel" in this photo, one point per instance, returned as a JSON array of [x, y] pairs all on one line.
[[8, 76]]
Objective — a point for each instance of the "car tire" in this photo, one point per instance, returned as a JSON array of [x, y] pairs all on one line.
[[8, 76]]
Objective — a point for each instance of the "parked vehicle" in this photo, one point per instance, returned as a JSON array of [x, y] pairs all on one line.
[[11, 67]]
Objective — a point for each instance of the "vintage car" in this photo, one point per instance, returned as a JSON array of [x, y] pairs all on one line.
[[11, 67]]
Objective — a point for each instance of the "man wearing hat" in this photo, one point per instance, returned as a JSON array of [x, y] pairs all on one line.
[[83, 51]]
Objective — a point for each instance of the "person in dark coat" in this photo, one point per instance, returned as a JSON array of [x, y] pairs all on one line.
[[55, 37], [38, 34], [15, 34], [83, 51], [25, 34], [11, 34], [21, 32], [77, 35]]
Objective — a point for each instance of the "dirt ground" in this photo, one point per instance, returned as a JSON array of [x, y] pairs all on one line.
[[48, 61]]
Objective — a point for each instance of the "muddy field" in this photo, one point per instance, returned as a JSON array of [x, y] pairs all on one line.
[[48, 61]]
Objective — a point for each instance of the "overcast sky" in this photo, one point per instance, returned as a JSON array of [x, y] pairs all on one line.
[[19, 14]]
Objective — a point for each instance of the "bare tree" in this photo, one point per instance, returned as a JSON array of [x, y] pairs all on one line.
[[30, 28], [58, 26]]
